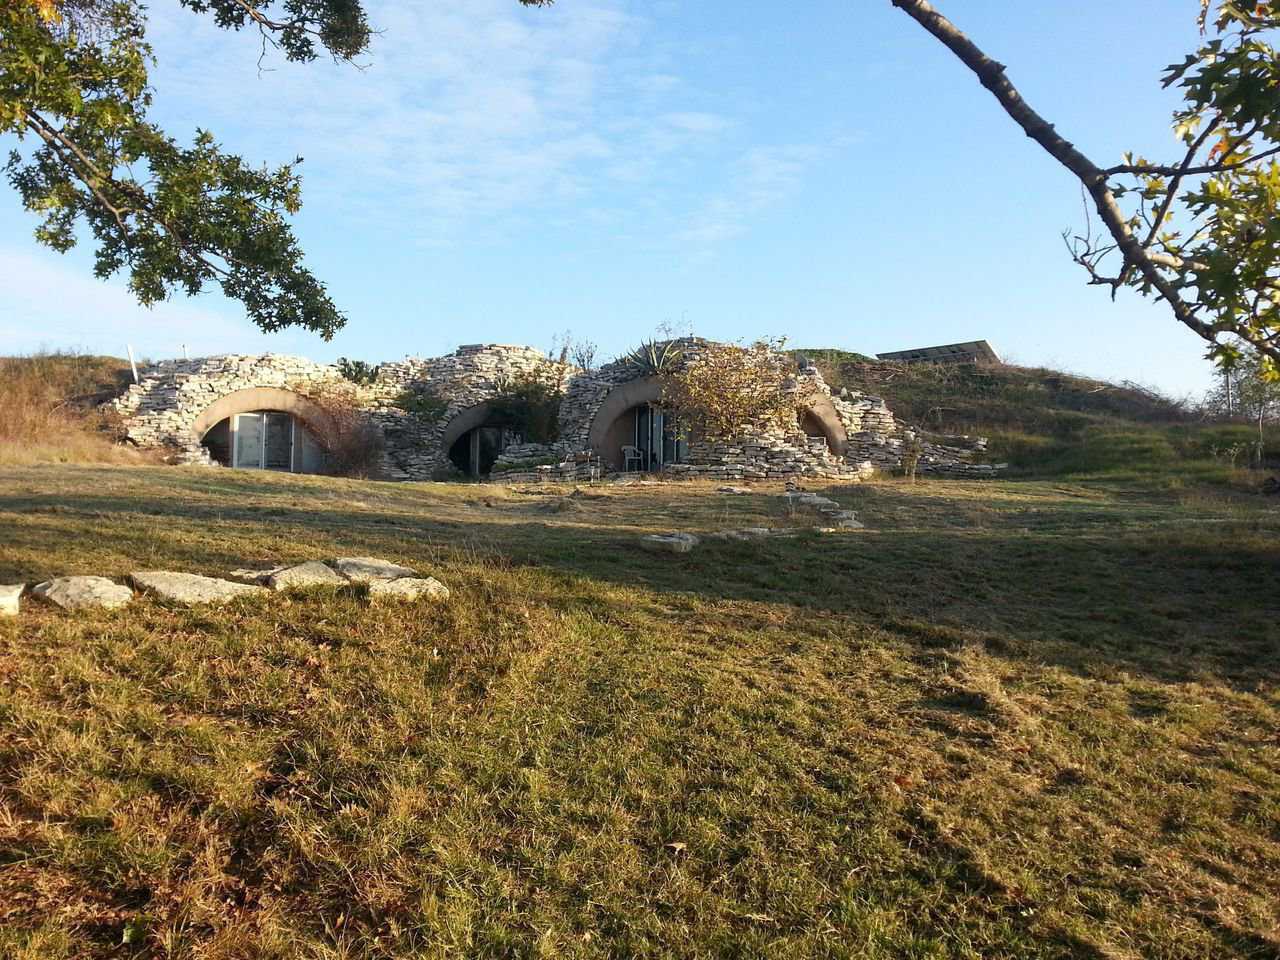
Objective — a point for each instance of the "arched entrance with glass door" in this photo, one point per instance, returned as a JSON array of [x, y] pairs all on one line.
[[632, 431], [263, 428]]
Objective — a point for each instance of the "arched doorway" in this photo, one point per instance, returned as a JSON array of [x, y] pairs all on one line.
[[263, 428], [474, 440], [632, 431], [818, 418]]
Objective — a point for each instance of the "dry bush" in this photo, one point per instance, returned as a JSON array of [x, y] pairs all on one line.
[[728, 388], [352, 443], [50, 410]]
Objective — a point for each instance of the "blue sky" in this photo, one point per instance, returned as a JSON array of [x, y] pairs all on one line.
[[822, 171]]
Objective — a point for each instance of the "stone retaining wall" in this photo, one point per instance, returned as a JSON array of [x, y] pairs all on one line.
[[422, 405]]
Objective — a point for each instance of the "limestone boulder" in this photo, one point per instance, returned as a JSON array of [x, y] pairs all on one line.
[[303, 576], [369, 569], [811, 501], [669, 542], [408, 588], [81, 593], [10, 593], [754, 533], [191, 587], [251, 575]]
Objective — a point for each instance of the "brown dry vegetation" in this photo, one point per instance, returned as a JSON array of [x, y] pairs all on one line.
[[1016, 719], [49, 410]]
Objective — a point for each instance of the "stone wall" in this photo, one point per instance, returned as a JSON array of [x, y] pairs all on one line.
[[162, 408], [422, 405]]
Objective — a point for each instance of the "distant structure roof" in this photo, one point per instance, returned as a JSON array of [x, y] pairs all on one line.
[[974, 351]]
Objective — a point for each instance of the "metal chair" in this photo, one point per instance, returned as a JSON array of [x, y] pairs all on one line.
[[632, 455]]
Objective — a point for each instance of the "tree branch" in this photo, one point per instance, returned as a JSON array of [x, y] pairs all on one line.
[[991, 75], [1162, 170]]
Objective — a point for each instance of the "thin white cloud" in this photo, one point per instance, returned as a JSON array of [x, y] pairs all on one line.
[[759, 179], [466, 114], [54, 303]]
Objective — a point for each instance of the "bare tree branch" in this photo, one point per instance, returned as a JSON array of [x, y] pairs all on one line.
[[991, 75]]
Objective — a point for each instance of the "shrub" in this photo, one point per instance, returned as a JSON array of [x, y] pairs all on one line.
[[358, 371], [653, 358], [422, 403], [530, 404], [728, 388], [352, 443]]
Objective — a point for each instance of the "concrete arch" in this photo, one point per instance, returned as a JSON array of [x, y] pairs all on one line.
[[619, 400], [468, 419], [823, 414], [257, 398]]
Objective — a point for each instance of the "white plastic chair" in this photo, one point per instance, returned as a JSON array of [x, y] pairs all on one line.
[[632, 455]]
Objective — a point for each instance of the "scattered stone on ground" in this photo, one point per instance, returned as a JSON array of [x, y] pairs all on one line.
[[847, 520], [313, 573], [408, 588], [754, 533], [249, 575], [559, 505], [669, 542], [75, 593], [9, 596], [736, 491], [369, 569], [800, 499], [191, 587]]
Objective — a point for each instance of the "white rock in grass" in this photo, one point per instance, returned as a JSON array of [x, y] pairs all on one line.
[[754, 533], [78, 593], [248, 575], [9, 594], [369, 569], [313, 573], [669, 542], [736, 491], [408, 588], [191, 587]]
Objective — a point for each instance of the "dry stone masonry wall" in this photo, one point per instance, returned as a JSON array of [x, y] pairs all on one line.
[[423, 405]]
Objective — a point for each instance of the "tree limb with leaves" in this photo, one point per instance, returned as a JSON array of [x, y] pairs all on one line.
[[1201, 231], [75, 92]]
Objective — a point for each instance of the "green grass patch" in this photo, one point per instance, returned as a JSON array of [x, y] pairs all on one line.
[[1010, 719]]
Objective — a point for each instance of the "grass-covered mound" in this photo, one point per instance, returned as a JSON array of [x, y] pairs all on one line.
[[49, 409], [1048, 423], [1011, 719]]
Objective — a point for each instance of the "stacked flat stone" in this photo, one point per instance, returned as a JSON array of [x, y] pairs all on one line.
[[162, 409]]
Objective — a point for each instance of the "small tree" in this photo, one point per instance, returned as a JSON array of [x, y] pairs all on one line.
[[1244, 390], [352, 443], [530, 404], [728, 388]]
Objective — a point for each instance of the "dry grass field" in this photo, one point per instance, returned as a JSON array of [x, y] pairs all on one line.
[[1016, 719]]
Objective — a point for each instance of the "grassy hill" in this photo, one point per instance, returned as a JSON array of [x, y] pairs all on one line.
[[1015, 719], [49, 409], [1048, 423]]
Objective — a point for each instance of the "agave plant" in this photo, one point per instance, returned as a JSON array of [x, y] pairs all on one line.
[[653, 358]]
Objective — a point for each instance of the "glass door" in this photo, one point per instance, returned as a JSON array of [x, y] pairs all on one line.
[[277, 442], [658, 437], [246, 448]]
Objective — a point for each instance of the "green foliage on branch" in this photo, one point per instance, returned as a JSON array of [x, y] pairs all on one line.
[[1210, 220], [75, 91]]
